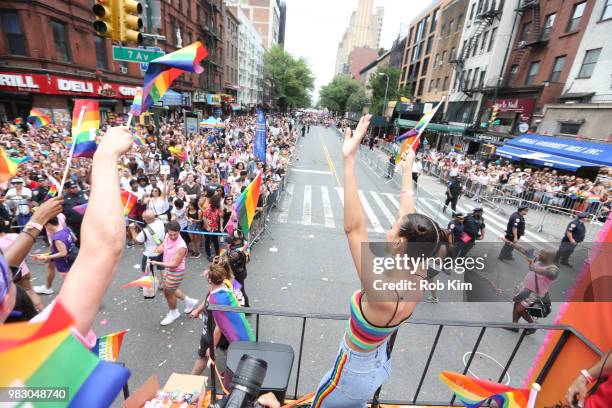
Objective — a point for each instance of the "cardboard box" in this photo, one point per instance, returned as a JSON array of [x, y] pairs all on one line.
[[177, 382]]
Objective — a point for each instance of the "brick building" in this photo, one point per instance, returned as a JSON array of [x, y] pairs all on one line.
[[231, 39], [210, 23], [359, 58], [548, 36]]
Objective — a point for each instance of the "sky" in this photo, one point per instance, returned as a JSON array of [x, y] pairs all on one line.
[[315, 27]]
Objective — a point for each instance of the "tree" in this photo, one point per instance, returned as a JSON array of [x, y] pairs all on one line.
[[334, 96], [357, 100], [378, 83], [290, 79]]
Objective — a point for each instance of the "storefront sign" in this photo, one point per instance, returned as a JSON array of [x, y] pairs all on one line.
[[522, 106], [55, 85], [213, 99]]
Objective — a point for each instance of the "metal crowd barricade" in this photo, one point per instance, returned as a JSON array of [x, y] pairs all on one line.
[[412, 395]]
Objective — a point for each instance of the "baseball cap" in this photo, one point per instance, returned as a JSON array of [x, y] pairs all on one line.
[[523, 207], [478, 209], [459, 215], [583, 215], [69, 184], [16, 180]]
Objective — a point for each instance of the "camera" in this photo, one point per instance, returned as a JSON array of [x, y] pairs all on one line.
[[246, 384]]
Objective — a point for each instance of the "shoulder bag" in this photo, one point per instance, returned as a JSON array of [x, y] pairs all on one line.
[[542, 305]]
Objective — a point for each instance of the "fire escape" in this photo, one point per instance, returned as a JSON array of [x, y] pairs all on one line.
[[536, 37], [483, 20]]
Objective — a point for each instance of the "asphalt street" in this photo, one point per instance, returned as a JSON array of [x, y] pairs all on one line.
[[302, 264]]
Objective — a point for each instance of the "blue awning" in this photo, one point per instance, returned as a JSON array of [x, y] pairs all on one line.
[[596, 154], [541, 159], [172, 98]]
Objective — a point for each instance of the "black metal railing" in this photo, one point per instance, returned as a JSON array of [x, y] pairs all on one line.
[[567, 332]]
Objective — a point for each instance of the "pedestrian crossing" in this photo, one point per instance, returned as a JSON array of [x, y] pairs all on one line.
[[323, 206]]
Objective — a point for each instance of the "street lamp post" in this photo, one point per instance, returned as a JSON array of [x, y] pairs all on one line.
[[386, 90]]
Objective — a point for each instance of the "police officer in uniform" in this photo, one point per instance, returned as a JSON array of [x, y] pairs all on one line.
[[514, 231], [74, 196], [455, 230], [574, 233], [474, 226], [453, 192]]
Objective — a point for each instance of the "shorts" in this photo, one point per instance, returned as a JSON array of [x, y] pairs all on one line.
[[205, 344], [193, 226], [354, 378], [525, 297], [173, 279], [158, 258]]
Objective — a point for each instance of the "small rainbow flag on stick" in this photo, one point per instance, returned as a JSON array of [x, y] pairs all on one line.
[[52, 192], [38, 119], [164, 70], [85, 135], [247, 203], [144, 282], [139, 139], [8, 165], [128, 200], [412, 138], [136, 108], [108, 347], [47, 355], [474, 392]]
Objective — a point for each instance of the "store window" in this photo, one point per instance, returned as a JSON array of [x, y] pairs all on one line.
[[588, 65], [60, 37], [574, 21], [570, 129], [13, 33]]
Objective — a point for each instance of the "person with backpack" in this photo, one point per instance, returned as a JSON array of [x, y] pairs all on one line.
[[63, 247]]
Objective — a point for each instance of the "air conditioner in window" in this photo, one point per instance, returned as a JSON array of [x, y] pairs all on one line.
[[123, 70]]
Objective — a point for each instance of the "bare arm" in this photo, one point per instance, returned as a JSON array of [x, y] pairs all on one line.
[[103, 234], [406, 193], [178, 258]]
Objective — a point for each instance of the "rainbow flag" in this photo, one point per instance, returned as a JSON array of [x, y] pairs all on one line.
[[80, 209], [85, 142], [47, 355], [128, 201], [136, 108], [38, 119], [18, 121], [246, 204], [139, 139], [108, 347], [474, 392], [144, 282], [164, 70], [51, 193], [233, 325], [8, 166], [412, 138]]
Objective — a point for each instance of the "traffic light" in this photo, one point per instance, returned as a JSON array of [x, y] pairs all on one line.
[[106, 20], [494, 114], [130, 22]]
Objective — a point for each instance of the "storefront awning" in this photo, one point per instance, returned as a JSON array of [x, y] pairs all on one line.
[[172, 98], [595, 154], [541, 159], [437, 127]]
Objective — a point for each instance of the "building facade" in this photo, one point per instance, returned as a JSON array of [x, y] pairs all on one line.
[[548, 36], [283, 23], [359, 57], [418, 53], [211, 28], [231, 47], [583, 110], [250, 62], [264, 16], [363, 31]]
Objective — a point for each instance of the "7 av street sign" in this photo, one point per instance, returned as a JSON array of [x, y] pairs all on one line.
[[135, 54]]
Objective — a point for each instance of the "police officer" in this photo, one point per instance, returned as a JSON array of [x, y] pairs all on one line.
[[391, 165], [474, 227], [455, 230], [453, 191], [574, 233], [74, 196], [514, 231]]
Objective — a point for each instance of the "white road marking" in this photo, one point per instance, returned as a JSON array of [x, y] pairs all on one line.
[[383, 208], [327, 208], [284, 215], [340, 191], [307, 209], [376, 226], [329, 173], [393, 200]]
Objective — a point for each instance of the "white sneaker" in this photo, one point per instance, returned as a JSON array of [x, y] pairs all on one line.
[[170, 317], [43, 290], [432, 299], [190, 304]]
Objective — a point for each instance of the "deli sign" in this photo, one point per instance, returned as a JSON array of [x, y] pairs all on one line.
[[522, 106], [55, 85]]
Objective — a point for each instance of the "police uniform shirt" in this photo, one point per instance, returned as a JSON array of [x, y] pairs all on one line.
[[473, 226], [456, 228], [577, 229], [516, 221]]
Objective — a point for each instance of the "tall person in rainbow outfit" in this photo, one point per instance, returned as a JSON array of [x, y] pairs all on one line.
[[362, 364]]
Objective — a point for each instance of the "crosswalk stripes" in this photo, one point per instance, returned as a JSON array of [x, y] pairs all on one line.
[[307, 212], [383, 207], [284, 214], [376, 226], [392, 198], [327, 208]]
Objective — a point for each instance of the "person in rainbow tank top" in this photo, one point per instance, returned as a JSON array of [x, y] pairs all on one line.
[[362, 364]]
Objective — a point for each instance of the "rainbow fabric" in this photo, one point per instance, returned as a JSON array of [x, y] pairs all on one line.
[[85, 142], [108, 347], [332, 382], [139, 139], [52, 192], [246, 204], [413, 136], [164, 70], [136, 108], [47, 355], [144, 282], [8, 167], [38, 119], [474, 392], [362, 333], [128, 201], [233, 325]]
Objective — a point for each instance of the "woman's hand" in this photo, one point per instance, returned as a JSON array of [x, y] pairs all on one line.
[[351, 144], [578, 391], [116, 141], [47, 210], [408, 160]]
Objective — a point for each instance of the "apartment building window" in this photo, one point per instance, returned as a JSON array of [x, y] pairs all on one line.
[[557, 69], [420, 87], [14, 35], [485, 37], [60, 37], [445, 84], [429, 45], [468, 79], [443, 30], [588, 65], [548, 26], [481, 81], [475, 79], [570, 129], [472, 11], [475, 45], [459, 20], [533, 71], [443, 58], [464, 48], [431, 83], [437, 84], [452, 54], [437, 60], [434, 20], [189, 8], [425, 66], [607, 12], [450, 26], [492, 40], [101, 59], [574, 21], [525, 33]]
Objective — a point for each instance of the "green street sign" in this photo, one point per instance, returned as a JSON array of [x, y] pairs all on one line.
[[135, 54], [496, 122]]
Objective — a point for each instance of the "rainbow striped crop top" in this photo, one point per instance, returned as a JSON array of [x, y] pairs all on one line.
[[361, 332]]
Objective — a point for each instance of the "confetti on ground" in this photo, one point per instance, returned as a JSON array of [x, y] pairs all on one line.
[[104, 322], [311, 236], [273, 249], [137, 266], [284, 288], [169, 345], [162, 363], [324, 279]]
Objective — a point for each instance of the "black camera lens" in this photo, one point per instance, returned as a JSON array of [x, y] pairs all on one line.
[[250, 374]]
